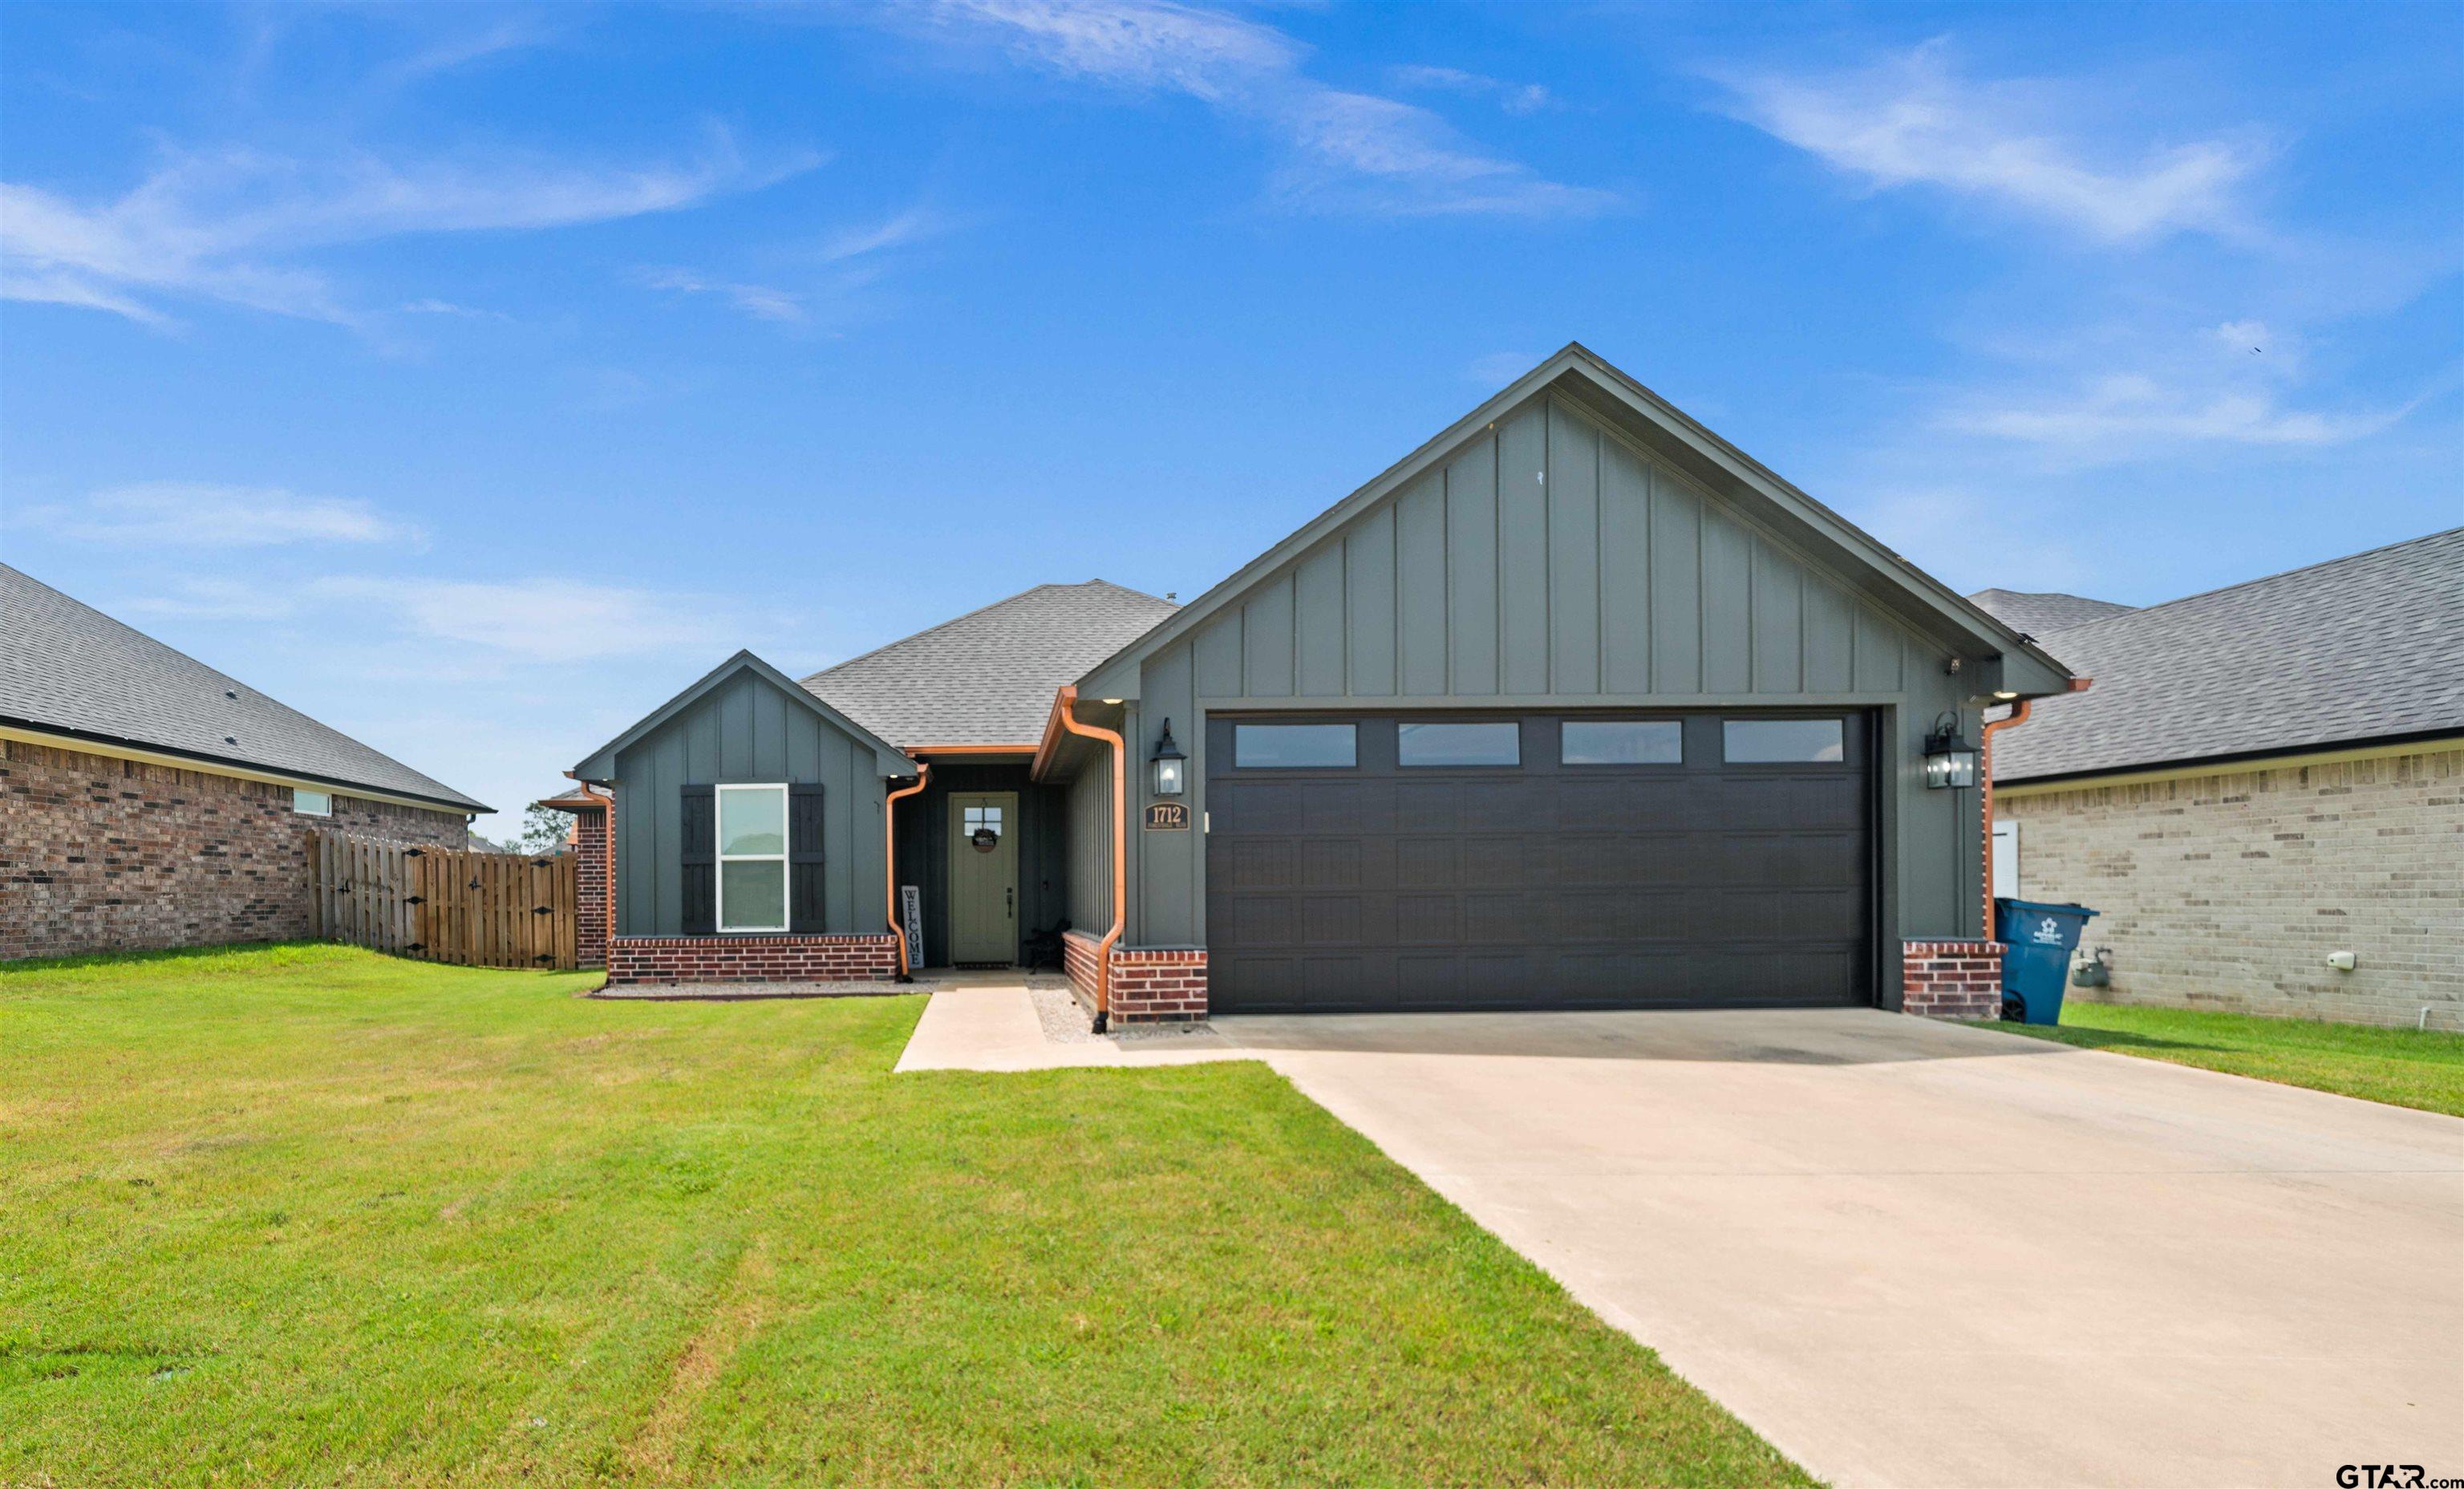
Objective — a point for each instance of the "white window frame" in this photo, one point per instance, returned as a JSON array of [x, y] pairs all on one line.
[[325, 810], [720, 858]]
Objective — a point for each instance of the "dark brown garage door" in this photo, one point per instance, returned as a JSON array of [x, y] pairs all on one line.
[[1367, 863]]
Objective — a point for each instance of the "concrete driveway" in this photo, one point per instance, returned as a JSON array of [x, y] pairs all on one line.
[[1914, 1253], [1911, 1254]]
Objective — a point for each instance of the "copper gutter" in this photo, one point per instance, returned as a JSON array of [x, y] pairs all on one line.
[[890, 861], [1065, 713], [971, 749], [2018, 715]]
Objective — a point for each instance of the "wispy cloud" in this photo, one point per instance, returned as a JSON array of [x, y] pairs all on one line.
[[553, 620], [2128, 393], [192, 514], [1912, 120], [762, 302], [2121, 413], [233, 225], [1523, 98], [1346, 151], [461, 47], [219, 599], [825, 281], [901, 228]]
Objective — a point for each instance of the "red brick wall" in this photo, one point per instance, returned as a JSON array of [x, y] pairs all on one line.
[[1078, 960], [1150, 984], [1951, 979], [592, 906], [103, 855], [752, 958]]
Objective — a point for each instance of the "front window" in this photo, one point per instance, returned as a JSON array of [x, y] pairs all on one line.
[[1459, 744], [1621, 742], [1781, 742], [753, 857], [1294, 746], [312, 804]]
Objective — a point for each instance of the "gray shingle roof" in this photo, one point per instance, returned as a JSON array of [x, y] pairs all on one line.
[[2354, 648], [988, 677], [2042, 612], [69, 667]]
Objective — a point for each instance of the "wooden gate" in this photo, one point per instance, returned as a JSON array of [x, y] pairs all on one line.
[[474, 909]]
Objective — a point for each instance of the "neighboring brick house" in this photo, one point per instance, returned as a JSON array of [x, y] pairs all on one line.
[[1575, 706], [147, 801], [2262, 777]]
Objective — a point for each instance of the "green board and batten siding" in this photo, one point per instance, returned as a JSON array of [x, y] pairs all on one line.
[[1549, 564], [745, 730]]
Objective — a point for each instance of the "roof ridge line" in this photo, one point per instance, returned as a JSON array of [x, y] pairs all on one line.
[[261, 696], [926, 632], [2260, 579], [979, 609]]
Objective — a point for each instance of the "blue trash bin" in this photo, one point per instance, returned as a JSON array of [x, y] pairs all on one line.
[[2039, 939]]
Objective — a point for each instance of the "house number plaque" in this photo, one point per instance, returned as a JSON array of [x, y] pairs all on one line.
[[1168, 816]]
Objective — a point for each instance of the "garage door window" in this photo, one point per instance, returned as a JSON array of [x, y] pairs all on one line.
[[1781, 742], [1294, 746], [1459, 744], [1621, 742]]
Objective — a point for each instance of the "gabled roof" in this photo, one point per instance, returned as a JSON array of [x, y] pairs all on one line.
[[2354, 650], [1587, 380], [2040, 613], [988, 677], [69, 669], [601, 765]]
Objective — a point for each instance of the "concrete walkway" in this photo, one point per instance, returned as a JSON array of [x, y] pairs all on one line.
[[1910, 1253]]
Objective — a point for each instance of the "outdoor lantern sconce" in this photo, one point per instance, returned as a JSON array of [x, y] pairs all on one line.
[[1169, 766], [1951, 762]]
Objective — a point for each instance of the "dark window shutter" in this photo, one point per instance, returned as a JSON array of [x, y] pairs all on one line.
[[807, 888], [698, 852]]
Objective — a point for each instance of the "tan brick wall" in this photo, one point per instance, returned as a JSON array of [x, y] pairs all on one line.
[[104, 854], [2228, 891]]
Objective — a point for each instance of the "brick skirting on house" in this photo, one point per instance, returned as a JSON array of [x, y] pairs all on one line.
[[752, 958], [99, 854], [1951, 979], [1151, 985], [591, 908]]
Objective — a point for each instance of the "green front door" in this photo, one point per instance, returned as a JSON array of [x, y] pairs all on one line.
[[983, 877]]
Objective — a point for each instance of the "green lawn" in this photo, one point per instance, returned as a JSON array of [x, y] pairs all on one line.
[[2402, 1067], [305, 1214]]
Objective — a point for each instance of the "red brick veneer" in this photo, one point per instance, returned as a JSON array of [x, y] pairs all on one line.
[[591, 908], [752, 958], [1951, 979], [1151, 985], [99, 854]]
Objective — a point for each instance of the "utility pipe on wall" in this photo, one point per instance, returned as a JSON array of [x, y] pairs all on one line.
[[890, 861], [1065, 710], [1984, 766]]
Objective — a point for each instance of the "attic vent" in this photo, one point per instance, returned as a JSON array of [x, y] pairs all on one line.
[[228, 740], [227, 692]]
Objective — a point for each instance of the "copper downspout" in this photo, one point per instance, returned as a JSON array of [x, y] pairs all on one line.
[[1984, 767], [890, 861], [1065, 708]]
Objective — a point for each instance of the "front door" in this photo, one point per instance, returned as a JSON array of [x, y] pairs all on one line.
[[983, 877]]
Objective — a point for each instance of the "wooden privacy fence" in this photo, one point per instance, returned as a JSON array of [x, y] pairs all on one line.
[[474, 909]]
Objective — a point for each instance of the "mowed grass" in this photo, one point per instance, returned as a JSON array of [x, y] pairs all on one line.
[[305, 1214], [2402, 1067]]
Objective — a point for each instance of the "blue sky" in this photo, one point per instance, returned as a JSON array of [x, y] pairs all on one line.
[[473, 378]]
